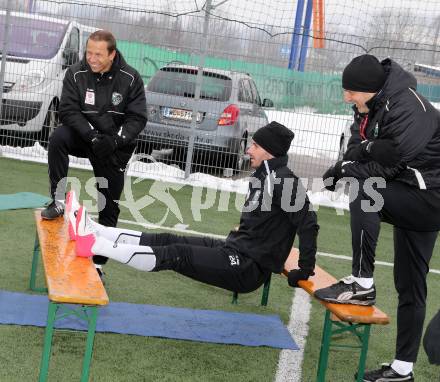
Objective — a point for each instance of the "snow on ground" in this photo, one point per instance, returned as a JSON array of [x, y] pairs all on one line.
[[316, 135], [162, 172]]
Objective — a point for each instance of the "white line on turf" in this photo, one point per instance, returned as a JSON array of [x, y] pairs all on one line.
[[175, 229], [191, 232], [290, 361], [376, 262]]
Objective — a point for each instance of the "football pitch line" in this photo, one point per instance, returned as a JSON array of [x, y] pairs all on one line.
[[289, 362], [182, 229]]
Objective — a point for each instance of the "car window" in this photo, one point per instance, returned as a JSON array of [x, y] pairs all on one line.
[[245, 92], [85, 36], [33, 38], [182, 82], [255, 96], [73, 43]]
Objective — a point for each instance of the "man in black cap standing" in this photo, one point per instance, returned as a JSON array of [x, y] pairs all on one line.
[[275, 209], [395, 140]]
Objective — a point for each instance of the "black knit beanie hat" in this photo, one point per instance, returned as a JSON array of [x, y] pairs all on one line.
[[364, 74], [275, 138]]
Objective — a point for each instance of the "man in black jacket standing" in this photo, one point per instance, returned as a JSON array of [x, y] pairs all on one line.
[[102, 110], [396, 140], [275, 209]]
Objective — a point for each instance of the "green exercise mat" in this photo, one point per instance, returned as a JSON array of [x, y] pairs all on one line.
[[22, 200]]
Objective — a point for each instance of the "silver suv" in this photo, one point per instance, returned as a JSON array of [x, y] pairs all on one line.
[[228, 113]]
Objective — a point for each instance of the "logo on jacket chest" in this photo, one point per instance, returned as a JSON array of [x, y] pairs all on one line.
[[376, 130], [90, 97], [116, 98]]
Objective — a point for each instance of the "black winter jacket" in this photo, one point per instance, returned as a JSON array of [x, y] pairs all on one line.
[[113, 102], [275, 209], [399, 113]]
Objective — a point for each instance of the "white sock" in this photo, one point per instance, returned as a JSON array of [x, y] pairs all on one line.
[[364, 282], [136, 256], [121, 235], [402, 367]]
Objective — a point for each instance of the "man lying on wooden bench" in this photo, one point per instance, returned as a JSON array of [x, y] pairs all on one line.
[[276, 208]]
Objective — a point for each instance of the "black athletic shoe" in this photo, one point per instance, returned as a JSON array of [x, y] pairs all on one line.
[[53, 210], [347, 291], [385, 374]]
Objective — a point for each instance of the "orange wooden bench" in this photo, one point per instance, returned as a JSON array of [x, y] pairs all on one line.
[[339, 318], [69, 280]]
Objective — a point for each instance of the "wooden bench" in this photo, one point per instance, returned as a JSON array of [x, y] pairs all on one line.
[[339, 318], [69, 280]]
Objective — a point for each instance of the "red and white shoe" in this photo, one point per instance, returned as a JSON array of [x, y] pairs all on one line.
[[71, 210], [85, 234]]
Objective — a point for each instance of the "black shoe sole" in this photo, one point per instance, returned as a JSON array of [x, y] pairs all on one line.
[[47, 218], [367, 380], [348, 302]]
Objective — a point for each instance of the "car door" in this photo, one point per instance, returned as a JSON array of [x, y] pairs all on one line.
[[258, 113], [245, 100], [71, 50], [257, 117]]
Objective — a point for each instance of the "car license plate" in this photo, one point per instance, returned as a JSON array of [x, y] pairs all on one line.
[[179, 114]]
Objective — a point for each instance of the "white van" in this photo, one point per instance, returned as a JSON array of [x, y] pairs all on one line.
[[39, 50]]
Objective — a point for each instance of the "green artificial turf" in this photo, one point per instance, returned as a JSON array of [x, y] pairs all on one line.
[[133, 358]]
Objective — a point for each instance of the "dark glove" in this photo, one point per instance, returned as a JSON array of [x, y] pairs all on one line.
[[332, 175], [91, 135], [359, 153], [103, 123], [296, 275], [384, 152], [104, 145]]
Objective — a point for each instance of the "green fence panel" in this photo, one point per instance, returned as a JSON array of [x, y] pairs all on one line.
[[286, 88]]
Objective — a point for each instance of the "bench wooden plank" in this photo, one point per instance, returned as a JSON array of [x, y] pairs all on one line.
[[69, 279], [344, 312]]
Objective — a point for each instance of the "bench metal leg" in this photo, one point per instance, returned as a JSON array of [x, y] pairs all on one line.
[[360, 331], [325, 347], [34, 269], [87, 313], [44, 365], [266, 288], [364, 351], [264, 296], [93, 310]]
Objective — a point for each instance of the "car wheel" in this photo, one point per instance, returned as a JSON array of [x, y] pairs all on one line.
[[242, 163], [50, 124], [239, 161], [16, 138]]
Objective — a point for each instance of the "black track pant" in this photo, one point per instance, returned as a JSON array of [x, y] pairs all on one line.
[[415, 215], [207, 260], [65, 141]]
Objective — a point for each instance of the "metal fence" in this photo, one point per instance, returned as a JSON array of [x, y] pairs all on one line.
[[215, 71]]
